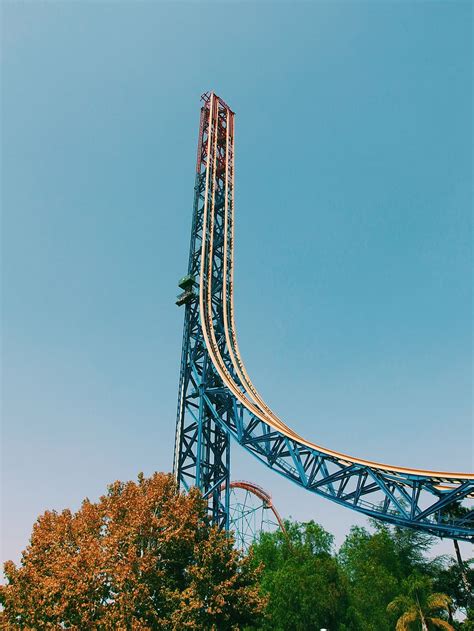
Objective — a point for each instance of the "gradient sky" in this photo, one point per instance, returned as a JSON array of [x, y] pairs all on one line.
[[353, 234]]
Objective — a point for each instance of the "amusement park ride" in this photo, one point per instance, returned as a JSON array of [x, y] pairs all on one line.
[[217, 400], [251, 512]]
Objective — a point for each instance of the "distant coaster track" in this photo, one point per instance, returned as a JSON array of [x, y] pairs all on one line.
[[217, 399], [253, 515]]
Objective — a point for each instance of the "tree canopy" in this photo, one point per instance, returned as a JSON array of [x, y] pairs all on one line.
[[143, 557], [306, 586], [311, 586], [418, 604]]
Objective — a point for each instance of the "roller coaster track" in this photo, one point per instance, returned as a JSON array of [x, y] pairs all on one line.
[[217, 400], [244, 514], [262, 495]]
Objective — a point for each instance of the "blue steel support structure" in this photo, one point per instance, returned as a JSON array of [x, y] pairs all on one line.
[[217, 398], [202, 449]]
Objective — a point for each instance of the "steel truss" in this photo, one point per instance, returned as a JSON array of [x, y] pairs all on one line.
[[217, 399]]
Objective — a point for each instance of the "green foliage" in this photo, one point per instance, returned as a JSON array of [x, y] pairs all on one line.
[[468, 622], [145, 557], [449, 580], [371, 564], [371, 584], [376, 565], [306, 586], [420, 605]]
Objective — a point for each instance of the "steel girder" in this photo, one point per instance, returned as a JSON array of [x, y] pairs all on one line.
[[217, 399]]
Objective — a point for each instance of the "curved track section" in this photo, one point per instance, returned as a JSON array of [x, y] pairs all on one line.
[[251, 512], [218, 399]]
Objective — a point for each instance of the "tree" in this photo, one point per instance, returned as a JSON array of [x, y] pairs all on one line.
[[376, 563], [450, 581], [418, 603], [457, 511], [306, 587], [371, 563], [143, 557]]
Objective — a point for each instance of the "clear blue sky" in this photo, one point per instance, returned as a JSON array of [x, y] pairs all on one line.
[[353, 233]]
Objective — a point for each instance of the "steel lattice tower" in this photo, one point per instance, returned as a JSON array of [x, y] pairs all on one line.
[[202, 449]]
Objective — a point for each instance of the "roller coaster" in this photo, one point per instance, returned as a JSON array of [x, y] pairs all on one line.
[[217, 400], [251, 513]]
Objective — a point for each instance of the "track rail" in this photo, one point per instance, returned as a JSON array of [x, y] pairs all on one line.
[[262, 495], [214, 374]]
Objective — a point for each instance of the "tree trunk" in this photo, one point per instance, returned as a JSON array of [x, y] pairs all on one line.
[[465, 580], [424, 626], [450, 614]]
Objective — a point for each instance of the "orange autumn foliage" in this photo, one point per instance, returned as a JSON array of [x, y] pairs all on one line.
[[143, 557]]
